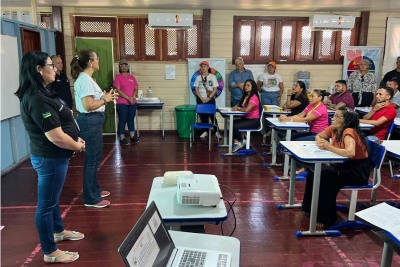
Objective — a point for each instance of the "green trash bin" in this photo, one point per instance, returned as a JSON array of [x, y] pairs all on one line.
[[185, 116]]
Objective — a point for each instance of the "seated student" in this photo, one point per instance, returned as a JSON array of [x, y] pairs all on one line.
[[394, 84], [347, 140], [297, 99], [381, 115], [315, 114], [249, 103], [341, 98]]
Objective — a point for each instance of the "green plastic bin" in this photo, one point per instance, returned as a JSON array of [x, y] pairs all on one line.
[[185, 116]]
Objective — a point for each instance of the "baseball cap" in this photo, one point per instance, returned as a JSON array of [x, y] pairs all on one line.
[[272, 63], [204, 62], [123, 61]]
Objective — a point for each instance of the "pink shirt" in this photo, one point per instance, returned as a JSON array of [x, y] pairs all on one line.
[[255, 112], [127, 84], [321, 122]]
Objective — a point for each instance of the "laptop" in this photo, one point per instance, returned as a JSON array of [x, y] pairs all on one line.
[[149, 244]]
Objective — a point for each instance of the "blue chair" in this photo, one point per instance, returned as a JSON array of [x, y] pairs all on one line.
[[247, 150], [391, 128], [203, 109], [376, 155]]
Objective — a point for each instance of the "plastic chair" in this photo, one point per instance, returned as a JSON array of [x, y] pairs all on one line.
[[203, 109], [376, 155], [247, 150]]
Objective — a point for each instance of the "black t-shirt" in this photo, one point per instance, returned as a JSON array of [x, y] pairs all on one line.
[[303, 104], [389, 75], [61, 86], [42, 112]]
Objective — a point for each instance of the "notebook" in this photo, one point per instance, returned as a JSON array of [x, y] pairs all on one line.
[[149, 244]]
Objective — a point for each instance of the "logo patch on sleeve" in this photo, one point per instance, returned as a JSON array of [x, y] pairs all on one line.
[[46, 115]]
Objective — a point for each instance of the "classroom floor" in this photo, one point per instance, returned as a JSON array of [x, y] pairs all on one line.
[[267, 235]]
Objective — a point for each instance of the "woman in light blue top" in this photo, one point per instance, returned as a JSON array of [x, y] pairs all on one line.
[[90, 103]]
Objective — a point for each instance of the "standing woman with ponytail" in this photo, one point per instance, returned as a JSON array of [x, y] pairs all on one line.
[[53, 138], [90, 103]]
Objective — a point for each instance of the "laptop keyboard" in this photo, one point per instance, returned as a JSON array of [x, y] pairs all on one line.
[[192, 258], [222, 260]]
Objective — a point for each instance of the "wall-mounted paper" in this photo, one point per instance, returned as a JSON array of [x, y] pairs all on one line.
[[170, 72]]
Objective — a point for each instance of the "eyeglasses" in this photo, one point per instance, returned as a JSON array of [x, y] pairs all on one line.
[[123, 65], [50, 65], [93, 58], [336, 117]]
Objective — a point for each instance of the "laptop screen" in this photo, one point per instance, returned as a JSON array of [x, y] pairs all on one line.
[[148, 243]]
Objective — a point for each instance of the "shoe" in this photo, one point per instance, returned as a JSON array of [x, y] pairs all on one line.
[[101, 204], [203, 135], [237, 146], [63, 257], [68, 235], [135, 139], [124, 142], [218, 135], [105, 193]]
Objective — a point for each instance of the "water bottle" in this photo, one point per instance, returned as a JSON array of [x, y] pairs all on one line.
[[149, 92]]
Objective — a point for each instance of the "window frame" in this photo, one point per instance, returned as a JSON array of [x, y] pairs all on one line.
[[295, 45]]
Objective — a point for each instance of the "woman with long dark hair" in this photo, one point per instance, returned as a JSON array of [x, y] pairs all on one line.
[[297, 99], [90, 103], [250, 103], [347, 140], [53, 139]]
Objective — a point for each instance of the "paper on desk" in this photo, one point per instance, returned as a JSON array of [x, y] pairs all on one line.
[[383, 216], [313, 148]]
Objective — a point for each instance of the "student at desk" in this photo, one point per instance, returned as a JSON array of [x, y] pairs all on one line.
[[297, 99], [381, 115], [348, 141], [315, 114], [249, 103]]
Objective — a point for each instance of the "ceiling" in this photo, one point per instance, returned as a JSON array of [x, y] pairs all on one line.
[[390, 6]]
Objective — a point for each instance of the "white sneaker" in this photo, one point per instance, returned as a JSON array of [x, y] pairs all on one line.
[[237, 146], [203, 135], [218, 135]]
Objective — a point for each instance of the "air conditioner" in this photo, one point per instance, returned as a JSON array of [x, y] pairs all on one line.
[[331, 22], [178, 21]]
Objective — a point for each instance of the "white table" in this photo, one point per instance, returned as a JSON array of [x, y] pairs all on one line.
[[273, 111], [228, 114], [397, 122], [299, 151], [175, 215], [288, 126], [210, 242], [150, 105], [392, 151], [363, 110]]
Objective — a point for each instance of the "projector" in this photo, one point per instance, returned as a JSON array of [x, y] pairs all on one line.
[[199, 190]]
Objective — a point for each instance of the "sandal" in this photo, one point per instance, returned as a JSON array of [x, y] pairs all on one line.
[[63, 257], [68, 235]]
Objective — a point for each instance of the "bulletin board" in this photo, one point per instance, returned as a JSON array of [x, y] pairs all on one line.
[[9, 77]]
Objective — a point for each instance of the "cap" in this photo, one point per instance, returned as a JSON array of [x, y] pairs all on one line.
[[123, 61], [204, 62], [272, 63]]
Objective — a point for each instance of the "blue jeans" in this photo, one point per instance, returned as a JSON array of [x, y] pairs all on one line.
[[236, 95], [270, 98], [126, 115], [90, 125], [51, 177]]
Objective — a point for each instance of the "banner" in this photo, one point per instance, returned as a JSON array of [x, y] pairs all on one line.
[[354, 54], [392, 45], [217, 66]]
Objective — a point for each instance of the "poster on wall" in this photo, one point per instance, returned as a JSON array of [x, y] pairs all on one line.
[[217, 66], [354, 54]]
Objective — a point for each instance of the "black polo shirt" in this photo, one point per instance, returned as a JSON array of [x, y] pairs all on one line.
[[42, 112], [62, 87]]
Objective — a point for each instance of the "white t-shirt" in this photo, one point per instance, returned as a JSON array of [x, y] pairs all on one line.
[[270, 82], [206, 84], [85, 86]]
